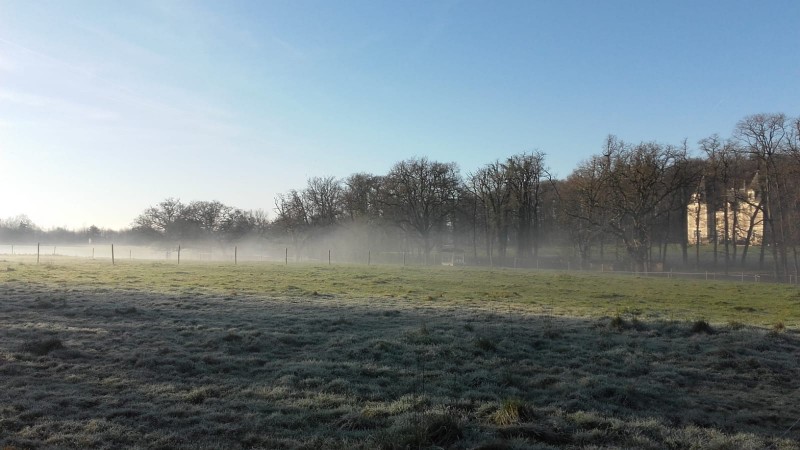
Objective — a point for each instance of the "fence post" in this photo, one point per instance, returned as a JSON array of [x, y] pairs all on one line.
[[112, 254], [286, 258], [329, 257], [235, 255], [404, 258], [92, 252], [369, 257], [742, 277], [37, 253], [179, 254]]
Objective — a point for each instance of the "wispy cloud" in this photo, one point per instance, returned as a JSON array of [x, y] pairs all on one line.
[[46, 57], [95, 98], [53, 105]]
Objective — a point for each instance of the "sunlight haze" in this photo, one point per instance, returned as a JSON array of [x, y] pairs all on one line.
[[107, 108]]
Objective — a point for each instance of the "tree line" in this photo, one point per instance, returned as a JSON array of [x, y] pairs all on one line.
[[639, 195], [628, 203]]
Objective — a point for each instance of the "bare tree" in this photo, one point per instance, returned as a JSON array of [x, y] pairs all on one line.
[[527, 176], [167, 220], [360, 197], [723, 166], [583, 197], [208, 216], [419, 196], [765, 138], [642, 180], [323, 201], [292, 217], [18, 228], [491, 186]]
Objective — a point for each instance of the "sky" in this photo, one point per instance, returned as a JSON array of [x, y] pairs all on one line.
[[107, 108]]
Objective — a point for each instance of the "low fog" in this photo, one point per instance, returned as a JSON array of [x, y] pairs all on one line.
[[635, 206]]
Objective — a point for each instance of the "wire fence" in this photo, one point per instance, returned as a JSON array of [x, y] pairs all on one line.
[[288, 255], [743, 277]]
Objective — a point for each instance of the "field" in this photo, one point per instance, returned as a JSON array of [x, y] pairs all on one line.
[[155, 355]]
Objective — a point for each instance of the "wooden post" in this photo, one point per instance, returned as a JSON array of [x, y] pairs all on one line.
[[404, 258], [369, 257], [37, 253], [179, 254], [286, 258], [92, 252], [329, 257], [235, 255], [112, 254]]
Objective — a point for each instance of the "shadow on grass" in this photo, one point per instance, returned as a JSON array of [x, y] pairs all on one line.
[[138, 369]]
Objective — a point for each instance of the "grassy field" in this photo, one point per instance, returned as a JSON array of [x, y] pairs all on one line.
[[154, 355]]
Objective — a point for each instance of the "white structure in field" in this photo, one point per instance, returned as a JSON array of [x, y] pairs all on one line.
[[745, 218]]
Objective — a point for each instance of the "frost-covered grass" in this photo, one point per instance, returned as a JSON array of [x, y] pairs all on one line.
[[264, 356]]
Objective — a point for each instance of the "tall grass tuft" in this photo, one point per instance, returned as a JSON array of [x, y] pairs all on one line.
[[512, 411], [41, 347], [701, 326]]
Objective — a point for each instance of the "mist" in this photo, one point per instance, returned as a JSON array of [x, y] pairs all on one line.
[[626, 208]]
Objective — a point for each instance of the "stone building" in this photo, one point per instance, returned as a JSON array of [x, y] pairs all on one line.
[[745, 217]]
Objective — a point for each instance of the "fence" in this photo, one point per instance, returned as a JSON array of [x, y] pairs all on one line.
[[743, 277], [287, 255]]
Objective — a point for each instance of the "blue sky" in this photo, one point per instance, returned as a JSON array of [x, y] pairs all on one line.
[[109, 107]]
